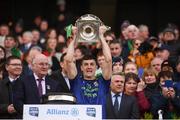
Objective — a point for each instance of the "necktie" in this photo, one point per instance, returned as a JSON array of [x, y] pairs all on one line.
[[40, 90], [11, 91], [13, 82], [116, 104], [26, 47]]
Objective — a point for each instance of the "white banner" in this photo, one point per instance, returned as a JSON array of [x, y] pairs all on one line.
[[62, 112]]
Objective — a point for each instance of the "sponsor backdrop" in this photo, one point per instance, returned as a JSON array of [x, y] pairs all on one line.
[[62, 112]]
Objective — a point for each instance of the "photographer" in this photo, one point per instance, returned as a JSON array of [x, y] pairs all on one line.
[[168, 100]]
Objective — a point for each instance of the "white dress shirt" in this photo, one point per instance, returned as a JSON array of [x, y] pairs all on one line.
[[66, 79], [12, 80], [119, 98], [42, 82]]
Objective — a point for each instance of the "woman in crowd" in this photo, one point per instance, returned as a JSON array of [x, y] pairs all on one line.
[[134, 52], [151, 87], [51, 33], [144, 55], [3, 72], [117, 65], [2, 54], [135, 86], [167, 100], [50, 52], [151, 81], [61, 38]]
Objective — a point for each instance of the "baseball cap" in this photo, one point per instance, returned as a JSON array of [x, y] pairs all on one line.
[[169, 30], [163, 47], [152, 38]]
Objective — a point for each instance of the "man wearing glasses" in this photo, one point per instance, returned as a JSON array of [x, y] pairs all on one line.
[[14, 69]]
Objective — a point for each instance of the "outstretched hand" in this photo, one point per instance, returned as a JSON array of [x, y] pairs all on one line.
[[74, 32], [141, 86], [102, 30]]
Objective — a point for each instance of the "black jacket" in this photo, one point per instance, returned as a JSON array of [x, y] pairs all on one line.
[[128, 108], [6, 98], [57, 75]]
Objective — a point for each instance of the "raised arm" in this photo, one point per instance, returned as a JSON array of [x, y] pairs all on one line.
[[69, 58], [107, 65]]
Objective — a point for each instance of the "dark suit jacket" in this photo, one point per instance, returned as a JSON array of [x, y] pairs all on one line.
[[6, 89], [26, 71], [26, 91], [128, 108], [57, 75], [24, 49]]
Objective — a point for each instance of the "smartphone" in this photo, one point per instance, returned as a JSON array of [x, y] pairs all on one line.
[[177, 85], [168, 83]]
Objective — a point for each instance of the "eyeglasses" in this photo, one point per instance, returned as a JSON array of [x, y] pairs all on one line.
[[17, 65]]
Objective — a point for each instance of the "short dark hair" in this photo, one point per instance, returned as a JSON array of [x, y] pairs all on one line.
[[60, 47], [130, 76], [88, 57], [164, 74], [62, 57], [3, 51], [116, 42], [83, 49], [11, 36], [166, 66], [11, 58], [100, 53]]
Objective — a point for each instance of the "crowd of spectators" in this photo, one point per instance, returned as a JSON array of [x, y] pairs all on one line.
[[138, 72]]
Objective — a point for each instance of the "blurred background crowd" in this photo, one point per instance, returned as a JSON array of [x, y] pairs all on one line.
[[145, 42]]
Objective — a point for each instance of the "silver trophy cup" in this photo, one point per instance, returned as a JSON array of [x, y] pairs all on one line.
[[88, 28]]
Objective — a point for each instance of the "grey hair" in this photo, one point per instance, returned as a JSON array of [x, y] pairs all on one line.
[[130, 27], [37, 48], [118, 73], [142, 27], [28, 33]]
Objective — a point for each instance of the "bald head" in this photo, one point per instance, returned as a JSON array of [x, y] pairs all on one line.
[[156, 59], [132, 32], [156, 64], [40, 65], [39, 58]]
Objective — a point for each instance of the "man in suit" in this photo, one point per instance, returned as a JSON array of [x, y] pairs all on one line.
[[31, 88], [61, 76], [119, 105], [27, 38], [28, 60], [14, 69]]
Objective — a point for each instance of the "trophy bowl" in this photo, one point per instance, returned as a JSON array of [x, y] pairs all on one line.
[[88, 28]]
